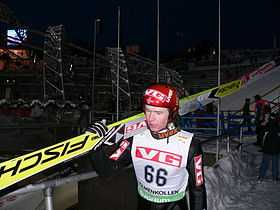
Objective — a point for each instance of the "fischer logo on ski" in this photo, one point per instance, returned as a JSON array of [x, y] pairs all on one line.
[[41, 157], [25, 166]]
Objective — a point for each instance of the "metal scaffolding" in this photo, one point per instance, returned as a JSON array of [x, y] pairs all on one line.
[[120, 79], [52, 70]]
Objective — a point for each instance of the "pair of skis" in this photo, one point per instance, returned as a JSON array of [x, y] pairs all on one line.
[[22, 167]]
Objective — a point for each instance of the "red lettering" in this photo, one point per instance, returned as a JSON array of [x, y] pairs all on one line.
[[163, 157], [116, 155], [171, 159], [198, 170], [163, 135], [156, 94], [167, 133], [135, 126]]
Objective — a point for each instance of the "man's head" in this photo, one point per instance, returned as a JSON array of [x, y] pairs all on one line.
[[257, 97], [160, 104]]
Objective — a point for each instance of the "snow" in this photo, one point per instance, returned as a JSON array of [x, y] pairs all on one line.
[[232, 184], [267, 81]]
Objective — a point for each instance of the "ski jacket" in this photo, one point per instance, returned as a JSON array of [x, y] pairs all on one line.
[[271, 143], [260, 109], [167, 165]]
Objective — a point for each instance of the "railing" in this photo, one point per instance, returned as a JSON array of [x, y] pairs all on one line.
[[206, 124], [57, 131], [231, 126], [48, 187], [276, 104]]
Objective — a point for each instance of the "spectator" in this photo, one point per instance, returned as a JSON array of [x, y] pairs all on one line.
[[5, 107], [67, 112], [22, 109], [259, 118], [36, 110], [84, 115], [271, 149], [246, 114], [50, 111], [26, 111]]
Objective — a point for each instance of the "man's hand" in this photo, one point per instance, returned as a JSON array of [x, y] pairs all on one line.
[[98, 128], [109, 137]]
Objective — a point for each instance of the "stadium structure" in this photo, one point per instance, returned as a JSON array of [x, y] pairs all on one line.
[[47, 66]]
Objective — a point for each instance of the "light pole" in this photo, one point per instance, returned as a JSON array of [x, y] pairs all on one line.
[[219, 80], [157, 68], [118, 66], [96, 21]]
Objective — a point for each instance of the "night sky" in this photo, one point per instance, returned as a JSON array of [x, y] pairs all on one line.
[[245, 24]]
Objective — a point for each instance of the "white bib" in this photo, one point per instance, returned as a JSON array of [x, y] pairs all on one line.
[[160, 166]]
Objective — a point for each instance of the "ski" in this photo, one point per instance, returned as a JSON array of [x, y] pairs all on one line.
[[22, 167]]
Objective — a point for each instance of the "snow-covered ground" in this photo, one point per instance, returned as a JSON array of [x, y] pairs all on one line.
[[232, 183]]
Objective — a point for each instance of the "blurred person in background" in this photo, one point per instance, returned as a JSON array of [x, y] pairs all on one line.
[[259, 118], [271, 148], [246, 114]]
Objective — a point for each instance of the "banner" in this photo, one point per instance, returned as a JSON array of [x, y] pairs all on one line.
[[228, 88], [258, 73]]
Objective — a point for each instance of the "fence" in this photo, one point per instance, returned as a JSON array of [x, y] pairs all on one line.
[[206, 124]]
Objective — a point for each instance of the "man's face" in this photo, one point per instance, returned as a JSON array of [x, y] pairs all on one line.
[[156, 117]]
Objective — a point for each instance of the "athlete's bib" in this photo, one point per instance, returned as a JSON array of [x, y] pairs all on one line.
[[160, 166]]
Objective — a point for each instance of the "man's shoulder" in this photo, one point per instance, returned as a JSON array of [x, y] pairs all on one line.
[[184, 136], [185, 133], [188, 135]]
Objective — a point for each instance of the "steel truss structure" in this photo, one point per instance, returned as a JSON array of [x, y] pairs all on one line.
[[52, 70]]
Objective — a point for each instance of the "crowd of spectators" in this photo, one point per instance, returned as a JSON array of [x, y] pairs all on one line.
[[51, 111]]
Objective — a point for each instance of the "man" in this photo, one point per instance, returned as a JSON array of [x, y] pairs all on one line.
[[271, 148], [246, 114], [260, 113], [167, 161]]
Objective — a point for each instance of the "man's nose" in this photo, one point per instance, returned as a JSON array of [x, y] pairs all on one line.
[[151, 116]]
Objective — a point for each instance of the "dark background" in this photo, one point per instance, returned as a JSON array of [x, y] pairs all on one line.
[[245, 24]]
